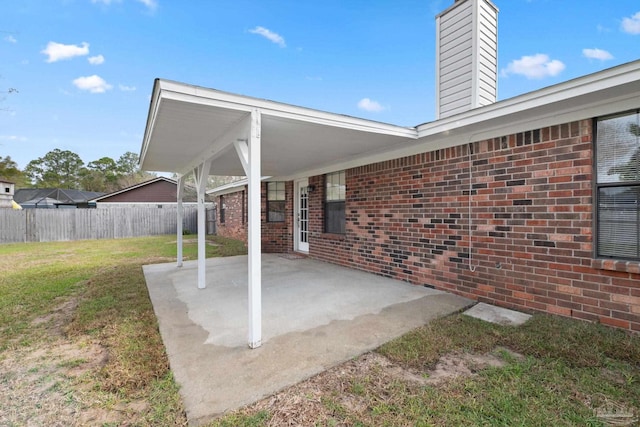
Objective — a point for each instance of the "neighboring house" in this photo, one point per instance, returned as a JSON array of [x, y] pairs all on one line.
[[54, 198], [155, 193], [531, 203], [6, 194]]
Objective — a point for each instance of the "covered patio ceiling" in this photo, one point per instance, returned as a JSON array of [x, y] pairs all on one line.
[[189, 124]]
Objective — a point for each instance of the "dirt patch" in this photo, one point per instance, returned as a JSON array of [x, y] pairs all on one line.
[[314, 401], [58, 318], [40, 386], [456, 365], [52, 382]]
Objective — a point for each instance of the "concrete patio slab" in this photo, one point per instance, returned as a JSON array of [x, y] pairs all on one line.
[[314, 315], [499, 315]]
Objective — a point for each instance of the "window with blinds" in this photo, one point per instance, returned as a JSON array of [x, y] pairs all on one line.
[[618, 186], [334, 206], [276, 199]]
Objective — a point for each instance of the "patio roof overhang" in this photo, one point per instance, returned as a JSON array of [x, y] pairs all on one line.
[[207, 132], [189, 124]]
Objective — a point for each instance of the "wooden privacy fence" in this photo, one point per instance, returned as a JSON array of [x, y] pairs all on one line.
[[47, 225]]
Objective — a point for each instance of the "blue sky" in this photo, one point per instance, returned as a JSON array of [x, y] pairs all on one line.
[[84, 69]]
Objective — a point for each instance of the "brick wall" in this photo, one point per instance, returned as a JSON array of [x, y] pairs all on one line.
[[506, 221], [277, 237], [235, 215]]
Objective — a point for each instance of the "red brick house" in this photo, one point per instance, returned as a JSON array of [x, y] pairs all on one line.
[[530, 203]]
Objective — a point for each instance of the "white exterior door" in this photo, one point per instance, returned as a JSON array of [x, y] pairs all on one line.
[[301, 219]]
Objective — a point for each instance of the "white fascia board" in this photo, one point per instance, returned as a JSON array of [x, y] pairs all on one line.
[[623, 74], [344, 122], [204, 96], [499, 119], [151, 118], [235, 186], [230, 188]]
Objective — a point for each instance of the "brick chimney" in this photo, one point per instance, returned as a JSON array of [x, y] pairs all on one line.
[[466, 57]]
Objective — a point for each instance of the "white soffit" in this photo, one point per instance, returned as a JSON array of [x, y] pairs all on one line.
[[185, 121], [188, 124]]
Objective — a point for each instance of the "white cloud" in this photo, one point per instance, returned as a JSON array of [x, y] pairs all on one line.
[[534, 67], [631, 25], [124, 88], [367, 104], [96, 60], [151, 4], [107, 2], [269, 35], [12, 138], [93, 84], [600, 54], [58, 51], [10, 39]]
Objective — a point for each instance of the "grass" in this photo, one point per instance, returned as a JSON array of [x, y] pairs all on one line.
[[555, 371], [91, 296], [93, 292], [569, 370]]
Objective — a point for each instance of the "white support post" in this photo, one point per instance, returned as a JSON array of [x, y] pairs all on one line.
[[201, 174], [255, 241], [180, 212]]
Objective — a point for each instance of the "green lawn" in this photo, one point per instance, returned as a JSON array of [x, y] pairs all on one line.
[[554, 372], [87, 294], [79, 344]]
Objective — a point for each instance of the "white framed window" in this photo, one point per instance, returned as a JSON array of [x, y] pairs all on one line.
[[276, 200], [617, 191], [334, 206]]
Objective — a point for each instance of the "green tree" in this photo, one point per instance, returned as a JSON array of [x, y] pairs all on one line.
[[92, 180], [9, 170], [128, 164], [58, 169], [129, 170], [101, 175]]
